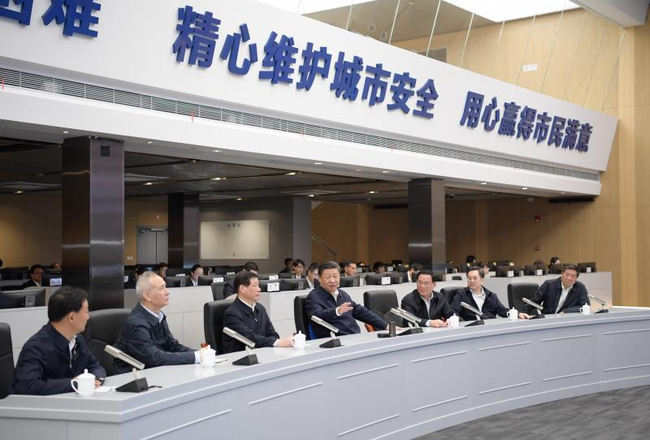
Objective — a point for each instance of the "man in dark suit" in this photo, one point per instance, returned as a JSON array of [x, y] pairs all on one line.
[[288, 265], [229, 287], [410, 275], [335, 306], [35, 276], [562, 295], [249, 318], [430, 306], [479, 297]]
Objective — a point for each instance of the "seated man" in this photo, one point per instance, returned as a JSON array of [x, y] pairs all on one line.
[[35, 276], [146, 335], [249, 318], [430, 306], [229, 287], [564, 294], [349, 268], [479, 297], [57, 353], [410, 276], [161, 269], [195, 273], [379, 267], [333, 305], [288, 265]]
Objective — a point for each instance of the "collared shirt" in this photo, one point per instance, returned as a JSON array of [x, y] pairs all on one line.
[[565, 293], [427, 302], [336, 296], [310, 283], [479, 299], [194, 283], [159, 316], [248, 305]]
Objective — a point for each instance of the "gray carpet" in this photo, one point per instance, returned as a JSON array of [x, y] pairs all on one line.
[[613, 415]]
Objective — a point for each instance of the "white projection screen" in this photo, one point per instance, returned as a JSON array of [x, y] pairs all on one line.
[[235, 239]]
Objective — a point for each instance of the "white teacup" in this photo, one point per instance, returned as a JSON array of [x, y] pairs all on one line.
[[85, 384], [586, 309], [208, 357], [513, 314], [299, 341], [454, 321]]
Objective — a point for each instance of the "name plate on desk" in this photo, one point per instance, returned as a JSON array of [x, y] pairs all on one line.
[[385, 281], [273, 287], [511, 273], [274, 277], [389, 269], [588, 269], [217, 280], [230, 273], [126, 278], [539, 272], [179, 275]]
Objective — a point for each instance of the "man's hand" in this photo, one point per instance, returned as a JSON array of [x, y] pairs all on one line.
[[438, 323], [343, 308], [284, 342], [97, 383], [524, 316]]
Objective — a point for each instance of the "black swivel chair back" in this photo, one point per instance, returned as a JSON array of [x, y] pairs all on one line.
[[217, 290], [450, 292], [6, 360], [103, 329], [213, 313], [300, 315], [517, 291], [380, 302]]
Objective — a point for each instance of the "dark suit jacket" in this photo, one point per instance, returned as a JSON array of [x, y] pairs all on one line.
[[228, 289], [405, 278], [491, 308], [439, 308], [188, 282], [255, 326], [549, 294], [321, 303], [29, 283]]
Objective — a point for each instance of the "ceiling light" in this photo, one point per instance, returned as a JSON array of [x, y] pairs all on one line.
[[500, 10], [149, 142], [525, 188], [310, 195], [292, 173], [483, 183], [194, 161], [216, 178], [385, 172], [18, 192], [239, 199], [65, 132], [216, 151], [318, 163], [148, 184], [357, 169], [372, 192]]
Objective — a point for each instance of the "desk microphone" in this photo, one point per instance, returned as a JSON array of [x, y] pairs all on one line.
[[332, 343], [538, 308], [250, 358], [477, 312], [601, 302], [137, 385], [414, 321]]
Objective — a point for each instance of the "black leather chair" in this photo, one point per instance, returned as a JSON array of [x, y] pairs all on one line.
[[103, 329], [450, 292], [217, 290], [213, 322], [380, 302], [6, 360], [517, 291], [300, 315]]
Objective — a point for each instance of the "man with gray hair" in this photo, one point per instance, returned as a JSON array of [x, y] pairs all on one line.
[[146, 335]]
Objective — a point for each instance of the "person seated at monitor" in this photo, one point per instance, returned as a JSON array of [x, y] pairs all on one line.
[[555, 262], [335, 306], [137, 273], [229, 287], [479, 297], [58, 352], [349, 268], [161, 269], [193, 279], [146, 335], [298, 268], [249, 318], [424, 302], [410, 275], [312, 275], [55, 266], [485, 269], [288, 265], [35, 277], [379, 267], [564, 294]]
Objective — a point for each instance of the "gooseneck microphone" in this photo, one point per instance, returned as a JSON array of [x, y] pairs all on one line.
[[137, 385], [602, 303], [477, 312], [538, 308], [413, 321], [332, 343], [250, 358]]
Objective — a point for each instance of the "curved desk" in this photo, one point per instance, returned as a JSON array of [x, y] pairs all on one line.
[[370, 388]]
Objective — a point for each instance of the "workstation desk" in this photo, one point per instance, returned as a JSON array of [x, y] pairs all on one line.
[[395, 388]]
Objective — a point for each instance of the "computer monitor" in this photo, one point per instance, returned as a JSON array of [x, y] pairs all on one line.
[[52, 279], [33, 297], [352, 281], [293, 284], [505, 271], [439, 275], [270, 285], [269, 276], [177, 272], [532, 269], [206, 280], [378, 279], [396, 277], [587, 267], [285, 275], [173, 282], [555, 269]]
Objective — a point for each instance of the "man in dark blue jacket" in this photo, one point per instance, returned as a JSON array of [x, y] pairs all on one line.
[[424, 302], [146, 335], [335, 306], [249, 318], [479, 297], [562, 295], [57, 353]]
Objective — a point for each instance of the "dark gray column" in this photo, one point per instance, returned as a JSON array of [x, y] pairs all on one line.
[[427, 221], [93, 219], [302, 229], [184, 230]]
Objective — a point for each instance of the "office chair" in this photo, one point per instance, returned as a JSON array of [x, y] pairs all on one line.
[[217, 290], [380, 302], [213, 322], [6, 360], [300, 316], [450, 292], [103, 329], [517, 291]]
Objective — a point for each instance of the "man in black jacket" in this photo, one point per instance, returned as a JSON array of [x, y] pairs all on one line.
[[562, 295], [430, 306], [229, 287], [57, 353], [335, 306], [146, 335], [249, 318], [479, 297]]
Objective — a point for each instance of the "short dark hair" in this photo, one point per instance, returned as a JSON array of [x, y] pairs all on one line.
[[251, 265], [416, 267], [139, 270], [312, 267], [196, 266], [243, 278], [286, 260], [554, 260], [377, 265], [570, 266], [470, 259], [33, 268], [298, 261], [161, 265], [65, 300], [327, 265], [471, 268], [425, 272], [347, 263]]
